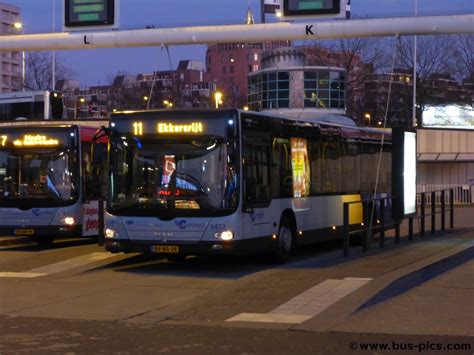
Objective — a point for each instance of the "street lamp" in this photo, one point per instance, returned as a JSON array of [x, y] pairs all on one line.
[[368, 117], [168, 104], [218, 98], [19, 28]]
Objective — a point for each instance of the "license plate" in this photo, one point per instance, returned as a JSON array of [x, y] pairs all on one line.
[[169, 249], [24, 231]]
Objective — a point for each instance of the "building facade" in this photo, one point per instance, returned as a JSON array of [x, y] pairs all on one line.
[[287, 85], [446, 160], [11, 62], [187, 86], [231, 63]]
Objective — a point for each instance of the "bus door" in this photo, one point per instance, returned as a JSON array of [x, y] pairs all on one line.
[[258, 216], [94, 181]]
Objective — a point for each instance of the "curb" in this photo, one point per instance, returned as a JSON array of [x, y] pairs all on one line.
[[12, 241]]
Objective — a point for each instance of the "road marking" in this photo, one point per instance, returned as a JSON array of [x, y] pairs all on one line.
[[23, 275], [307, 304], [60, 266]]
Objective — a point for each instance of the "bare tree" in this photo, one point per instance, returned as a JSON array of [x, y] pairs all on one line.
[[360, 57], [442, 63], [39, 73], [463, 56]]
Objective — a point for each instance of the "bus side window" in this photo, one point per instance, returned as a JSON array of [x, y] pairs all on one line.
[[256, 154], [281, 170]]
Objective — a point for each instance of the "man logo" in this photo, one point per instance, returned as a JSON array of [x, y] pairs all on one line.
[[181, 224], [163, 234]]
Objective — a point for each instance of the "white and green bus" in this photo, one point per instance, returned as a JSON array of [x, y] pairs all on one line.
[[185, 182]]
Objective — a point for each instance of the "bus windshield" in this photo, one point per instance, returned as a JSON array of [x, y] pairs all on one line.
[[40, 178], [195, 176]]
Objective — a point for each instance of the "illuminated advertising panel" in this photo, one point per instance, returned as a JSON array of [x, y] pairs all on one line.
[[409, 173], [300, 167], [403, 173], [450, 116]]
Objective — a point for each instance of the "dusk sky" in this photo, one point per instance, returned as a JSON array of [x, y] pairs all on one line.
[[95, 66]]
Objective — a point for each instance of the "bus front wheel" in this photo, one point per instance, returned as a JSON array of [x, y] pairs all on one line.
[[43, 241]]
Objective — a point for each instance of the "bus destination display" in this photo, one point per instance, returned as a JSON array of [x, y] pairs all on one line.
[[33, 139]]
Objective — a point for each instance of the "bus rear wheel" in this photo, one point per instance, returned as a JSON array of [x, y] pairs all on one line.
[[285, 241]]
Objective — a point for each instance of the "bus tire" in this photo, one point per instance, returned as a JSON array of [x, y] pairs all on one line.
[[176, 258], [285, 241], [44, 241]]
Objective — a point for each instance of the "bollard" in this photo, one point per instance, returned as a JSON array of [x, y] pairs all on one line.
[[382, 223], [433, 212], [422, 217], [101, 238], [451, 208], [365, 245], [410, 228], [346, 229], [443, 209], [397, 233]]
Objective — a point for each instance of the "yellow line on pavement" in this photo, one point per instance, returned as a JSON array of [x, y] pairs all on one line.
[[60, 266]]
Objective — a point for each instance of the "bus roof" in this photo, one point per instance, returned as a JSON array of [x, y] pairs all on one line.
[[297, 116], [95, 123]]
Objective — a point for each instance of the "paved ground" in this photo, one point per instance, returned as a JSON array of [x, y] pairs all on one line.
[[74, 298]]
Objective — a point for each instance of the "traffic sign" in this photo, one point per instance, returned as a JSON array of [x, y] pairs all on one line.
[[90, 14]]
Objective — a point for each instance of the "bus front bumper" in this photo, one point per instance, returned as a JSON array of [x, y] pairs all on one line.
[[236, 247], [38, 231]]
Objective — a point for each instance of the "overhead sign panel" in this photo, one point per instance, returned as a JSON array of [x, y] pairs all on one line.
[[90, 14], [271, 6], [313, 8]]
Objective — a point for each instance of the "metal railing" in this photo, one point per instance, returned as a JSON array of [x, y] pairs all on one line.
[[463, 194], [374, 221], [444, 197], [380, 224]]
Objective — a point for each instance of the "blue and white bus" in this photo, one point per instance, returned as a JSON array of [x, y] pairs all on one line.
[[32, 105], [187, 182], [49, 182]]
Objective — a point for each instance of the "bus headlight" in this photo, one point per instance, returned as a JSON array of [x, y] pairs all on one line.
[[67, 220], [225, 235], [110, 233]]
